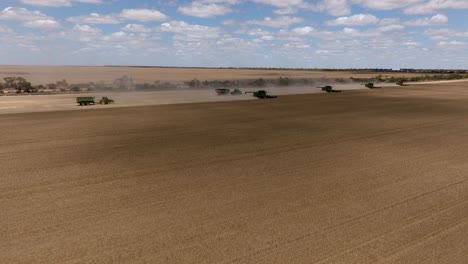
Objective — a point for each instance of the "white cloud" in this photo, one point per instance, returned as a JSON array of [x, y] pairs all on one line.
[[42, 24], [350, 31], [86, 29], [303, 30], [279, 22], [280, 3], [143, 15], [95, 18], [390, 28], [198, 9], [355, 20], [190, 31], [451, 43], [333, 7], [31, 19], [386, 4], [136, 28], [429, 21], [58, 3], [433, 6], [389, 21], [21, 14], [285, 7], [412, 43], [442, 34], [286, 11], [230, 2]]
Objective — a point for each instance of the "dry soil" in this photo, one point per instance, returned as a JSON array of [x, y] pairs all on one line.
[[362, 176]]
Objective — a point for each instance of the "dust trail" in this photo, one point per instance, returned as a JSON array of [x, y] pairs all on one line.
[[40, 103]]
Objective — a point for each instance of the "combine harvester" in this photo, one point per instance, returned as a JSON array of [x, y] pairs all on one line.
[[222, 91], [371, 85], [261, 94], [89, 100], [329, 89]]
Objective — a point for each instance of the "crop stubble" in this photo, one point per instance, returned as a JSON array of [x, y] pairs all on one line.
[[357, 177]]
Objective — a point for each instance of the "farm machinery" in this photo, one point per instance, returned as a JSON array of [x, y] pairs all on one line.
[[89, 100], [329, 89], [105, 100], [371, 85], [261, 94], [222, 91]]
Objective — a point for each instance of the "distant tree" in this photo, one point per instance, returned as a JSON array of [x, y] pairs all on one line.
[[19, 84], [75, 89], [52, 86], [38, 87]]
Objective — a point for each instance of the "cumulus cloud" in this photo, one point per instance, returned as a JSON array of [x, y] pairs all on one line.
[[31, 19], [285, 7], [303, 30], [429, 21], [333, 7], [355, 20], [280, 3], [433, 6], [390, 28], [143, 15], [21, 14], [386, 4], [95, 18], [42, 24], [86, 29], [445, 33], [136, 28], [279, 22], [453, 43], [58, 3], [190, 31], [205, 8]]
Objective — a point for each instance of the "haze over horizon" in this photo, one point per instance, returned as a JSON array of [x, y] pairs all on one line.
[[236, 33]]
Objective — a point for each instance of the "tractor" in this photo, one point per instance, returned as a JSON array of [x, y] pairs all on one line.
[[105, 100]]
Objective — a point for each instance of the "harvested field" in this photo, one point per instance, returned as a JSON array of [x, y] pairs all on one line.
[[358, 177], [75, 74], [42, 103]]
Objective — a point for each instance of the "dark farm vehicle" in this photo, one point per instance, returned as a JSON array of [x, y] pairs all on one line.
[[89, 100], [370, 85], [106, 100], [329, 89], [85, 100], [261, 94], [222, 91]]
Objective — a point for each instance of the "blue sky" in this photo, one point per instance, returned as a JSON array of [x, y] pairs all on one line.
[[236, 33]]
